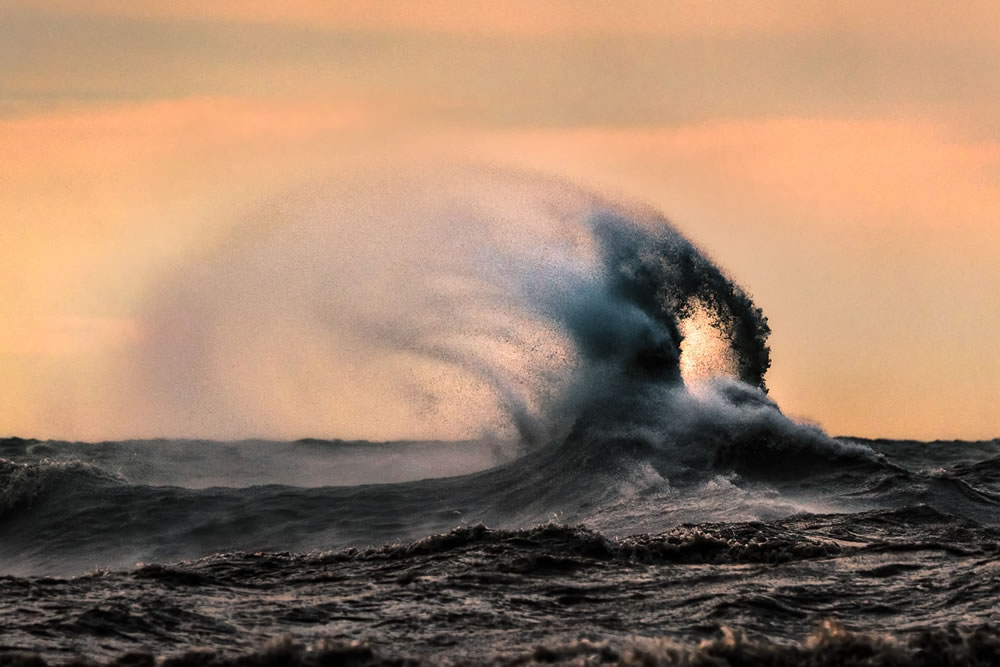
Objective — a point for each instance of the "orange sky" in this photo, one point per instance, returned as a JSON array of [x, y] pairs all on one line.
[[843, 162]]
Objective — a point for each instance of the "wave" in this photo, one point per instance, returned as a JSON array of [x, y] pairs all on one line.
[[199, 464], [550, 299], [571, 316], [66, 517], [556, 546], [69, 517], [458, 596], [829, 645], [23, 484]]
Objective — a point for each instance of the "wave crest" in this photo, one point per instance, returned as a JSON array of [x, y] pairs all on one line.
[[22, 484]]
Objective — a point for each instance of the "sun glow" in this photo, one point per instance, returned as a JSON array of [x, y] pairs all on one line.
[[705, 353]]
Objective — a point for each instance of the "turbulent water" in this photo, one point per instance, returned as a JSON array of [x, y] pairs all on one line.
[[628, 514]]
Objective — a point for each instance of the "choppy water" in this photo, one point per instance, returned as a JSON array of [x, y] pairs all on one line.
[[107, 566], [632, 516]]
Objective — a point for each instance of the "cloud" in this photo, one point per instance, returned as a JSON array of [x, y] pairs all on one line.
[[916, 19], [501, 78]]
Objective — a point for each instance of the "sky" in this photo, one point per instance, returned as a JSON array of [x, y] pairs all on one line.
[[840, 160]]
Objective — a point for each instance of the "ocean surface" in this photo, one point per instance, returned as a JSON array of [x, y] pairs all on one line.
[[634, 512], [888, 547]]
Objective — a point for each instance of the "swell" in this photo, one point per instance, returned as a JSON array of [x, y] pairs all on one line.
[[553, 583], [470, 593], [198, 464], [829, 645], [552, 547], [23, 484], [78, 517]]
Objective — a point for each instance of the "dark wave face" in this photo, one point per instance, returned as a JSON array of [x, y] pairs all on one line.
[[605, 488]]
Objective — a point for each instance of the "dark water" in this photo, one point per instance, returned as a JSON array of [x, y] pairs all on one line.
[[635, 517], [99, 566]]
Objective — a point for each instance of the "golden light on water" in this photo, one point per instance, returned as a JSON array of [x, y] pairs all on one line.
[[705, 353]]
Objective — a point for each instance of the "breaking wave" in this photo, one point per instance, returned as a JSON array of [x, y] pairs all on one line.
[[431, 307], [545, 323], [599, 463]]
